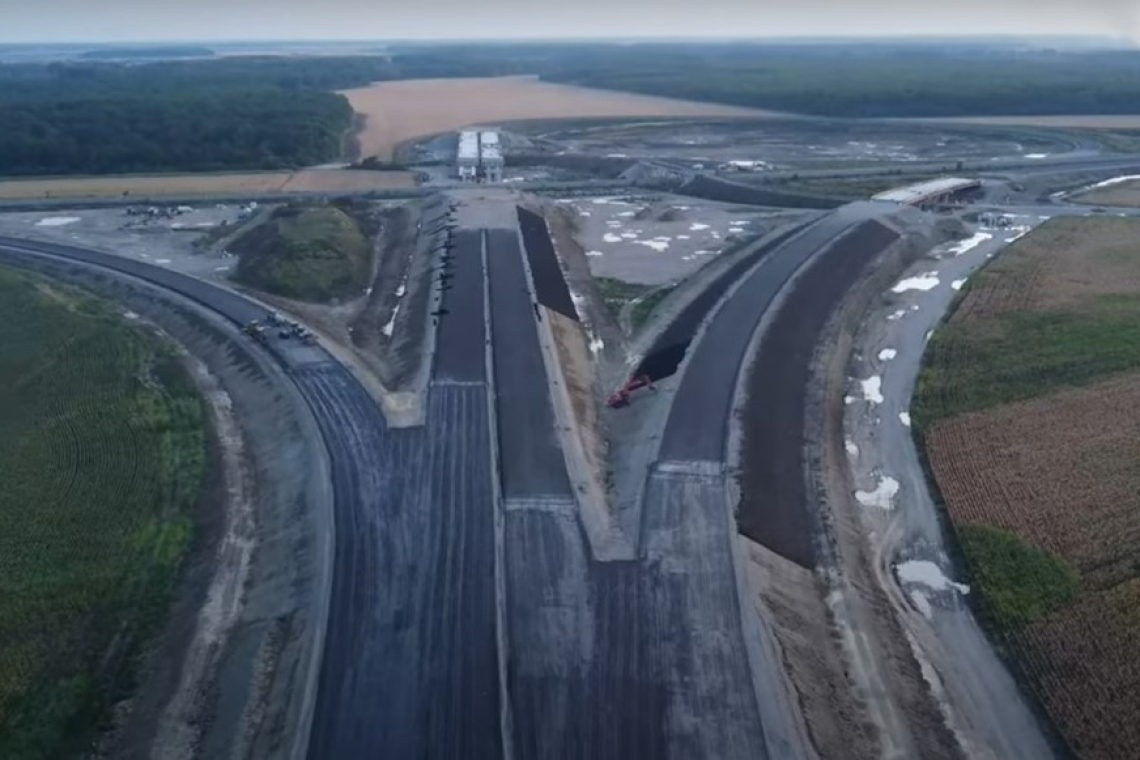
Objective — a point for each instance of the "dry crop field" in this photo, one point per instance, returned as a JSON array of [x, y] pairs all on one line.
[[1029, 409], [185, 185], [403, 110], [1120, 194]]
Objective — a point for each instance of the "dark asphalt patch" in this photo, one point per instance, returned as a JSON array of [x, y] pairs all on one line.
[[550, 287], [697, 428], [460, 352], [668, 350], [410, 665], [530, 459], [773, 509]]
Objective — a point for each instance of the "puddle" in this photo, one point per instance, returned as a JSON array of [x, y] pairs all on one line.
[[697, 227], [925, 281], [926, 573], [887, 354], [904, 418], [594, 253], [957, 284], [964, 246], [851, 448], [883, 495], [610, 237], [872, 389], [57, 221]]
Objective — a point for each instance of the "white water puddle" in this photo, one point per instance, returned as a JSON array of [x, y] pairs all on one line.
[[924, 281], [594, 253], [851, 448], [849, 400], [614, 225], [1037, 155], [715, 234], [683, 237], [883, 495], [584, 213], [687, 258], [697, 227], [904, 418], [596, 345], [130, 315], [957, 284], [872, 389], [925, 573], [162, 261], [704, 253], [887, 354], [391, 325], [657, 244], [610, 237], [969, 244], [896, 315], [622, 155], [629, 236], [57, 221], [740, 223], [400, 291], [225, 268], [627, 213], [921, 603]]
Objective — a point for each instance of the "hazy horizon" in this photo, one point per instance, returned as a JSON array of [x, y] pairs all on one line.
[[161, 21]]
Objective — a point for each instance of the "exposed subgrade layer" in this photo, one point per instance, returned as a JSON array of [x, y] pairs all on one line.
[[773, 509], [550, 288]]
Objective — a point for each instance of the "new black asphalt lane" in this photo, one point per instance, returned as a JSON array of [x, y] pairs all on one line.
[[697, 428], [531, 461], [411, 661]]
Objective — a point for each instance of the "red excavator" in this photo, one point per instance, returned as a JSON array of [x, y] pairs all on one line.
[[621, 396]]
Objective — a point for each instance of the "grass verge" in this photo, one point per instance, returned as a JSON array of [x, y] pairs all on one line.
[[102, 457], [644, 308]]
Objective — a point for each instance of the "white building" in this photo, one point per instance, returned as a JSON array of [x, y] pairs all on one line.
[[490, 156], [467, 156]]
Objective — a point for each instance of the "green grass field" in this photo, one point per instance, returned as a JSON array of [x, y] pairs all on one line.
[[312, 253], [102, 458]]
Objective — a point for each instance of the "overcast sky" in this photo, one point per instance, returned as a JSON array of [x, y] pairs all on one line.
[[126, 20]]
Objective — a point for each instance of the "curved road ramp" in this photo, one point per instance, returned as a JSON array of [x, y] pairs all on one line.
[[467, 615]]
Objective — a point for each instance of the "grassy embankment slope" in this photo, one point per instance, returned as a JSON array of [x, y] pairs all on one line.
[[102, 458], [306, 252], [1029, 410]]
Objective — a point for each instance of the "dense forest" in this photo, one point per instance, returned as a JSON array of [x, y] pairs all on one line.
[[226, 113], [272, 112]]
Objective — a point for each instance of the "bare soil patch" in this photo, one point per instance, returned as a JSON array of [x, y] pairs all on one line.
[[182, 185], [399, 111]]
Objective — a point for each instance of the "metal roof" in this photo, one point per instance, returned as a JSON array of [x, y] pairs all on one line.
[[923, 190], [469, 146]]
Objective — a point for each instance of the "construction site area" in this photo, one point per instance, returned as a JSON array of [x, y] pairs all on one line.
[[586, 431]]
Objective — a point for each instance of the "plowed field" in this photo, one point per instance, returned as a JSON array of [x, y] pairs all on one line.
[[1029, 409], [399, 111]]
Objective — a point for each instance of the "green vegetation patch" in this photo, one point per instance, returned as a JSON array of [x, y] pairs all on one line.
[[617, 293], [311, 253], [102, 458], [1018, 583], [1028, 354], [644, 308]]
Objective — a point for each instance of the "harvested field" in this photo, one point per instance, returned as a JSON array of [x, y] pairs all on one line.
[[1029, 409], [1118, 194], [400, 111], [184, 185]]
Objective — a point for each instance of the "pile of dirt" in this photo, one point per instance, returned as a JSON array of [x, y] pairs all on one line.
[[308, 252]]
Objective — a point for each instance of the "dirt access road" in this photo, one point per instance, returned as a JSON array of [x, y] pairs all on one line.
[[188, 185], [400, 111], [979, 699]]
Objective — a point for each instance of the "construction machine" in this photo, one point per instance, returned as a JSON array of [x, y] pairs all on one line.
[[621, 396], [256, 330]]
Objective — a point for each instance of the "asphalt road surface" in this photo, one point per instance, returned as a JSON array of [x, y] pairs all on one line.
[[697, 429], [774, 510], [530, 459], [411, 662]]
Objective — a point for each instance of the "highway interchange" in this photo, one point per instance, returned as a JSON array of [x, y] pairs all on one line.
[[467, 617]]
